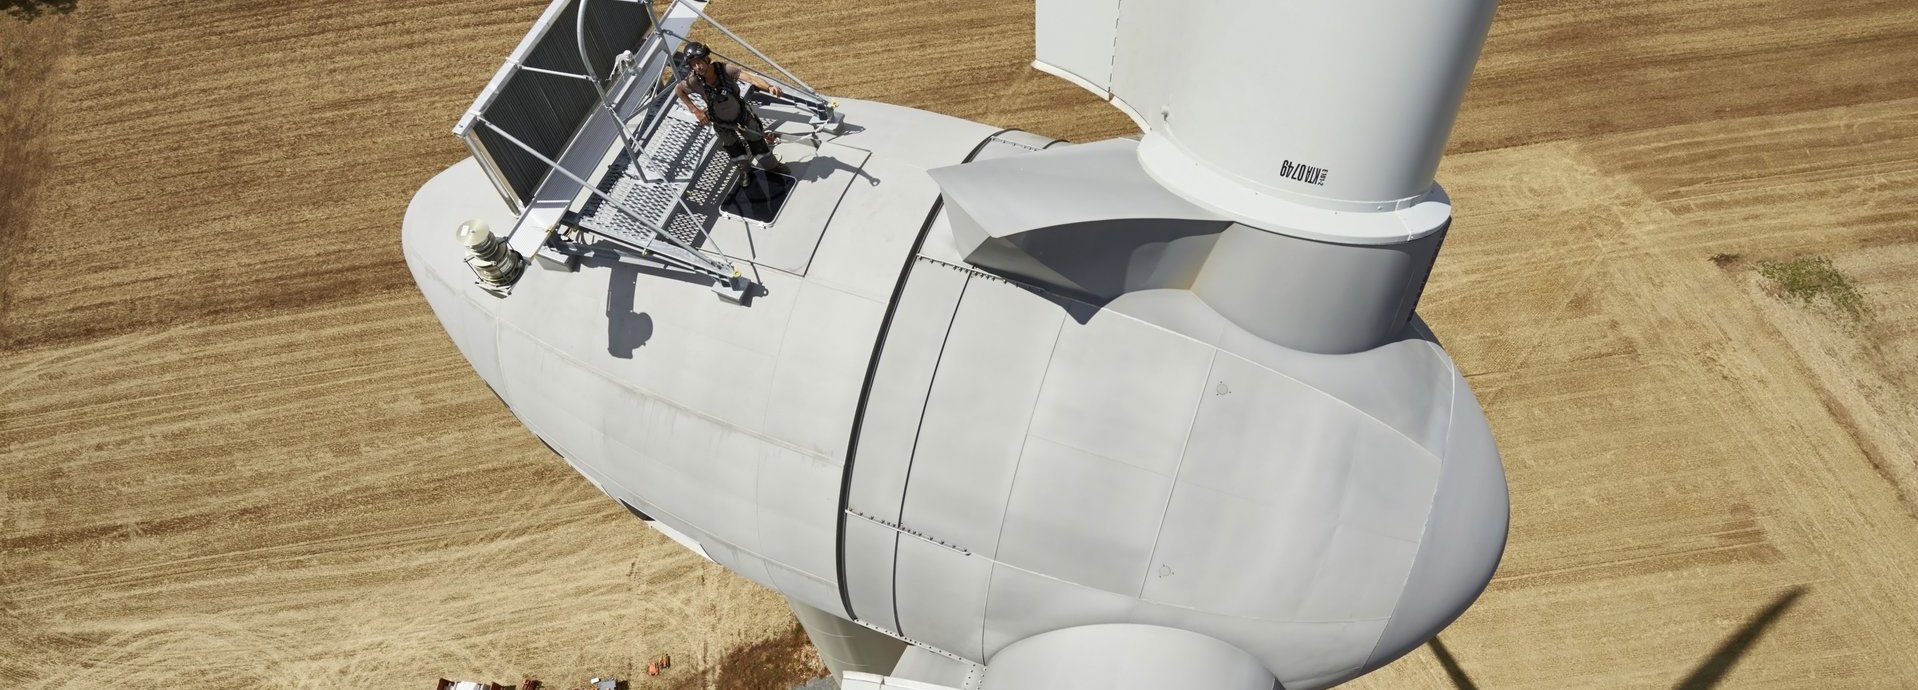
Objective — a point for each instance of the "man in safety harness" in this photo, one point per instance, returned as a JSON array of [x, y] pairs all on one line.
[[738, 128]]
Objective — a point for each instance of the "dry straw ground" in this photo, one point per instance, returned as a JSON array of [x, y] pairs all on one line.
[[237, 451]]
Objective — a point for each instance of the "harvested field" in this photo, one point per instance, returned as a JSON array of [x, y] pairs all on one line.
[[236, 449]]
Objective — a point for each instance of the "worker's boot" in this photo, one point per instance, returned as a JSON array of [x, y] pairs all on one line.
[[744, 165], [771, 163]]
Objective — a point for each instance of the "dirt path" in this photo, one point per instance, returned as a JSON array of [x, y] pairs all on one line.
[[237, 451]]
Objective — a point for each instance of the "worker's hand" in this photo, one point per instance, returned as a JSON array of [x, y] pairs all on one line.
[[775, 91], [703, 118]]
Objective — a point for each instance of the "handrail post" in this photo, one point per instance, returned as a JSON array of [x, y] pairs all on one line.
[[724, 270], [801, 83]]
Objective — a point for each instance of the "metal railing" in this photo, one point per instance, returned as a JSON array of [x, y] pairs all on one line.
[[612, 89]]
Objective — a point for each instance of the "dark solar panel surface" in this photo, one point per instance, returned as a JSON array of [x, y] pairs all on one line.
[[544, 110]]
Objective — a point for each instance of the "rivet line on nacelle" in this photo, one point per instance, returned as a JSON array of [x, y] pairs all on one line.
[[902, 529]]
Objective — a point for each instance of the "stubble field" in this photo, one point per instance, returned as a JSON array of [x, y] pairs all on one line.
[[236, 450]]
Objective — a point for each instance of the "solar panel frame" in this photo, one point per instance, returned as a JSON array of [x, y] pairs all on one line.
[[547, 110]]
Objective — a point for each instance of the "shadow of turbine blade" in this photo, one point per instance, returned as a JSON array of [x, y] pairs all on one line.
[[1452, 669], [1710, 673]]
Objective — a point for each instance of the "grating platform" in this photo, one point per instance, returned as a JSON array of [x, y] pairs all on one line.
[[677, 164], [683, 163], [703, 196]]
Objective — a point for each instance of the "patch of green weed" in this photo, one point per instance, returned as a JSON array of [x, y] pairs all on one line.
[[1813, 280]]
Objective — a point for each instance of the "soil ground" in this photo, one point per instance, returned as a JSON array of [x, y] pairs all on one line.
[[236, 450]]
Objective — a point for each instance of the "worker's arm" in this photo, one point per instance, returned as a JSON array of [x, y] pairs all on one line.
[[688, 102], [764, 84]]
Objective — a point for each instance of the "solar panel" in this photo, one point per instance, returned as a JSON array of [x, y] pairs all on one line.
[[546, 110]]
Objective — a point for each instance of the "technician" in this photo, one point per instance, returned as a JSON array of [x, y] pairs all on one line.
[[739, 129]]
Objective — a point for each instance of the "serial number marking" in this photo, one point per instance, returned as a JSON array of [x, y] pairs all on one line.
[[1303, 173]]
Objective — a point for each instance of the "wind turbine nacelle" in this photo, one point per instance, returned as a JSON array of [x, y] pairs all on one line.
[[967, 459], [998, 402]]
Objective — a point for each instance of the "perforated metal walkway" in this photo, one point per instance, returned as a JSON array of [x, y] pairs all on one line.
[[678, 163]]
